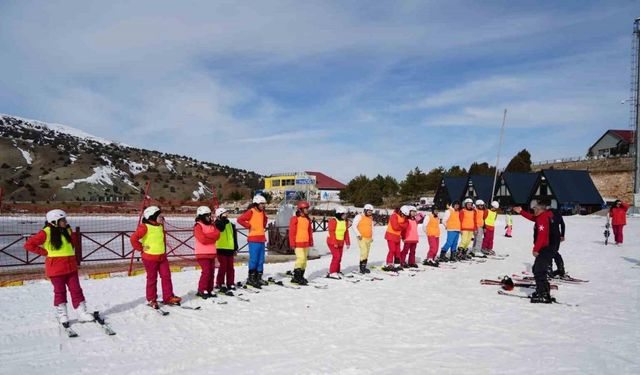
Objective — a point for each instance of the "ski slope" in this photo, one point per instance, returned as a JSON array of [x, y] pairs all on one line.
[[439, 321]]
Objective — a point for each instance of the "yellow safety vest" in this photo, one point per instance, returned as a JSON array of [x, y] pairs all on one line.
[[65, 250], [341, 228], [491, 218], [153, 241]]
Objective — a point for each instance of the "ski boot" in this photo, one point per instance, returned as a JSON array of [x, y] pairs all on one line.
[[252, 280], [412, 265], [388, 268], [261, 280], [333, 275], [303, 281], [203, 295], [543, 297], [61, 313], [297, 276], [363, 267], [153, 304], [173, 301], [443, 257]]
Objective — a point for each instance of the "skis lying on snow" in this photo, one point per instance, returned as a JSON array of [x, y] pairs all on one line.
[[518, 285], [183, 307], [104, 325], [281, 283], [565, 278], [159, 310], [502, 292]]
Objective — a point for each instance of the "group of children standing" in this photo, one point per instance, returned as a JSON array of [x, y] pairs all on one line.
[[216, 241]]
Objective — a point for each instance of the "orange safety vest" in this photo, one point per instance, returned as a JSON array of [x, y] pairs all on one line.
[[454, 220], [365, 227], [256, 223], [433, 226], [480, 218], [401, 221], [302, 233], [468, 219]]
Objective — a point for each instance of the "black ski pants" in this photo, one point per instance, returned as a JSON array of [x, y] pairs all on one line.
[[540, 267]]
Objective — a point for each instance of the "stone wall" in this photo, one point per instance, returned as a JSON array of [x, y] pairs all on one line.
[[613, 177]]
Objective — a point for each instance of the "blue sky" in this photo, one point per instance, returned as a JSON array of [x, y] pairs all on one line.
[[343, 87]]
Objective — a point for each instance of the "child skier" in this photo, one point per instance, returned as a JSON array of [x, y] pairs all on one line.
[[363, 225], [300, 239], [478, 235], [509, 224], [467, 227], [432, 229], [55, 242], [206, 235], [410, 238], [490, 229], [149, 238], [618, 215], [227, 246], [255, 219], [451, 220], [397, 224], [338, 237]]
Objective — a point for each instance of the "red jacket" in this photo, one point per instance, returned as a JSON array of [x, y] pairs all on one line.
[[293, 230], [137, 245], [55, 266], [393, 221], [332, 240], [619, 214], [541, 228], [245, 221], [206, 239]]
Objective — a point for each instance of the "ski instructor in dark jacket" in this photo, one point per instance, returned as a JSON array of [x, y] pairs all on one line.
[[543, 249]]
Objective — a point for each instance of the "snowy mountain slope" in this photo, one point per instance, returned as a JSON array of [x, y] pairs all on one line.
[[41, 161], [440, 321]]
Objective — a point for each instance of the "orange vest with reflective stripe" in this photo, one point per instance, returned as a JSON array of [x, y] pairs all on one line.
[[257, 223], [454, 220], [302, 231], [433, 226], [365, 227], [480, 218], [401, 220]]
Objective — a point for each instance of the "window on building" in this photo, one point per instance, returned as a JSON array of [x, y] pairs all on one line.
[[275, 183]]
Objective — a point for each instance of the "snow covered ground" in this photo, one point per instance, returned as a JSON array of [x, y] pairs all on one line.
[[440, 321]]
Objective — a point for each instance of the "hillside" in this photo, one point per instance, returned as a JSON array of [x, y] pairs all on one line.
[[50, 162]]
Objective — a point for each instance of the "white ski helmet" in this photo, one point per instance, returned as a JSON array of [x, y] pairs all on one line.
[[150, 211], [220, 211], [54, 215], [413, 208], [203, 210], [341, 210], [468, 200], [406, 210], [495, 204], [479, 202], [368, 207], [258, 199]]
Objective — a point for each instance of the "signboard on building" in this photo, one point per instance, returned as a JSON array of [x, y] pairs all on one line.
[[305, 181], [330, 195]]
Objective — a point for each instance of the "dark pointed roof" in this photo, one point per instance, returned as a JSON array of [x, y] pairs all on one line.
[[456, 186], [482, 185], [520, 185], [572, 186]]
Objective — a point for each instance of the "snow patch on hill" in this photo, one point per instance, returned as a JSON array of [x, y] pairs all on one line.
[[26, 155], [200, 192]]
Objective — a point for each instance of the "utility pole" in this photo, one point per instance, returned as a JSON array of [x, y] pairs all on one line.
[[636, 104], [495, 176]]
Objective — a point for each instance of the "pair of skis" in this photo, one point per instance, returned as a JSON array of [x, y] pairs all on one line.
[[523, 296], [515, 284], [97, 319]]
